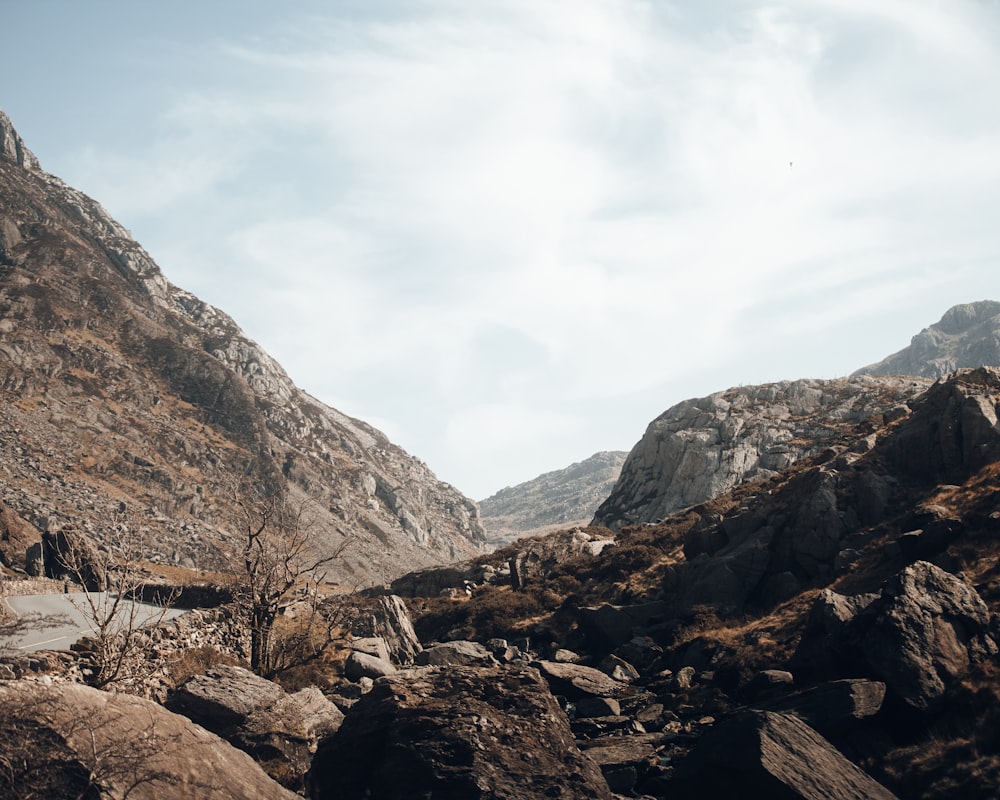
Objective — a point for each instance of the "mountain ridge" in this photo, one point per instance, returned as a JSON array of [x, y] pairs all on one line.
[[100, 352]]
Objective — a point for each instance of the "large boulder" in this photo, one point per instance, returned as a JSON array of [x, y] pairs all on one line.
[[758, 754], [389, 620], [456, 733], [68, 740], [918, 635], [251, 713], [459, 653]]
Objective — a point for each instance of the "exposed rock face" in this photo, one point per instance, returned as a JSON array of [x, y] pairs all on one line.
[[700, 448], [457, 732], [563, 497], [967, 336], [767, 754], [919, 635], [69, 740], [115, 383]]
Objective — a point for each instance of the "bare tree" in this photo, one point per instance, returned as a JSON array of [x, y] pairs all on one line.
[[117, 615], [280, 546]]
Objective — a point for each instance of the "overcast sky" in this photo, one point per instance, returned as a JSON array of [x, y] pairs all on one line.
[[510, 234]]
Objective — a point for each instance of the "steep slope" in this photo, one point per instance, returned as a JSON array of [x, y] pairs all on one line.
[[118, 387], [967, 336], [562, 497], [699, 448]]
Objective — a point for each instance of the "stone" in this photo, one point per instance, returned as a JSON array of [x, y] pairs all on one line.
[[597, 707], [457, 653], [250, 712], [768, 682], [66, 740], [456, 732], [574, 681], [320, 717], [619, 669], [361, 665], [372, 646], [768, 754], [832, 706]]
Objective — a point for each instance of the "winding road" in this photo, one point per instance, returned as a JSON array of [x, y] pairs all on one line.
[[63, 619]]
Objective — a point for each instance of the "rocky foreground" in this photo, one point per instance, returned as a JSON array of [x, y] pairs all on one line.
[[830, 632]]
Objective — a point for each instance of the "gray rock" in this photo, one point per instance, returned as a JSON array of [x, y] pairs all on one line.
[[371, 645], [597, 707], [835, 705], [700, 448], [320, 717], [68, 740], [458, 654], [362, 665], [575, 680]]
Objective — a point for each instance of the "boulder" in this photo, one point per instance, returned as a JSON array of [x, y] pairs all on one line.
[[767, 754], [574, 681], [918, 635], [458, 654], [251, 713], [320, 717], [362, 665], [68, 740], [455, 733]]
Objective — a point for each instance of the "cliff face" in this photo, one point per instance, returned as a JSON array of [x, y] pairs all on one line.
[[702, 447], [119, 387], [558, 498], [967, 336]]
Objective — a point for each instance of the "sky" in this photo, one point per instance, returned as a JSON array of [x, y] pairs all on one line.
[[510, 233]]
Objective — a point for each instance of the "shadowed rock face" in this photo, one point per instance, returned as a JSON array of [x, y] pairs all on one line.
[[456, 733], [116, 385], [700, 448], [73, 741]]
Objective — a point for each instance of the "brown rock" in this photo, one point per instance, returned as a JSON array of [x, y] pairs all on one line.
[[576, 680], [456, 733], [73, 741]]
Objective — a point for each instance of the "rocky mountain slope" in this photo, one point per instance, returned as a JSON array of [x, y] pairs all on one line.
[[117, 387], [702, 447], [562, 497], [967, 336]]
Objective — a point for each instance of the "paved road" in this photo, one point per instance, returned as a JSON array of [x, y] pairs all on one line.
[[63, 619]]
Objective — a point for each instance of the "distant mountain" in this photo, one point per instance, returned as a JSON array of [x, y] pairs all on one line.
[[117, 387], [967, 335], [556, 499]]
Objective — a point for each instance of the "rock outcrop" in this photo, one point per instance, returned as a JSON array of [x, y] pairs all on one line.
[[967, 336], [561, 498], [67, 740], [115, 384], [456, 732], [700, 448]]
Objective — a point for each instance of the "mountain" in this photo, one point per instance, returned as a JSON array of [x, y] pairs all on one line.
[[967, 335], [119, 389], [702, 447], [563, 497]]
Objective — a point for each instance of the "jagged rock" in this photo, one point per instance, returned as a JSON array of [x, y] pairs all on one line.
[[918, 635], [767, 754], [68, 740], [251, 713], [456, 732], [699, 448], [767, 682], [575, 680], [597, 707], [16, 537], [372, 646], [563, 497], [608, 626], [362, 665], [68, 553], [968, 335], [388, 620], [457, 654], [624, 760]]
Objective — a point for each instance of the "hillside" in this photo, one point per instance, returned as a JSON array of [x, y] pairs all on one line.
[[117, 387], [562, 497], [967, 336]]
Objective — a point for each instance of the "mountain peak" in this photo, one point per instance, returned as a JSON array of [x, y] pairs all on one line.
[[12, 146]]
